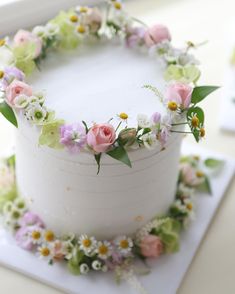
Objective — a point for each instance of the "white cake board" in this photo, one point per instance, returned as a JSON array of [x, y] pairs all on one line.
[[227, 101], [166, 272]]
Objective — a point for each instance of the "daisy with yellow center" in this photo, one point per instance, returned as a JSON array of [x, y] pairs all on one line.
[[87, 244], [123, 116], [74, 18], [200, 174], [194, 121], [117, 5], [81, 29], [172, 105], [36, 236], [202, 132], [2, 42], [104, 249], [45, 252], [49, 236], [124, 244], [1, 74], [83, 9]]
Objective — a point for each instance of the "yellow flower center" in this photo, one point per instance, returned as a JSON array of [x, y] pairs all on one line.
[[123, 115], [172, 105], [1, 74], [202, 132], [45, 251], [117, 5], [196, 157], [195, 121], [49, 236], [86, 243], [189, 206], [81, 29], [124, 244], [83, 9], [74, 18], [103, 249], [36, 235], [2, 42], [199, 174]]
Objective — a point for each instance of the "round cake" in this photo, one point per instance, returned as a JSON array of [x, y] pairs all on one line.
[[101, 103], [65, 189]]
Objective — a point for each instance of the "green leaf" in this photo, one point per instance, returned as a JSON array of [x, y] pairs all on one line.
[[97, 159], [205, 186], [74, 262], [213, 163], [11, 161], [119, 153], [185, 74], [8, 113], [50, 134], [200, 115], [200, 93]]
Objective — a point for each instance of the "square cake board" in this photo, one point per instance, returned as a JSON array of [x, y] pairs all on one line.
[[167, 268]]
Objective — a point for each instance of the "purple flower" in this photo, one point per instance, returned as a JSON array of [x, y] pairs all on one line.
[[135, 36], [73, 137], [11, 74], [31, 219], [23, 239], [155, 118]]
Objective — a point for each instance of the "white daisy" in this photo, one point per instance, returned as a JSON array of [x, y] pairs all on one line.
[[87, 244], [21, 101], [124, 244], [45, 252], [36, 236], [84, 269], [36, 113], [150, 140], [143, 121], [104, 249], [96, 265]]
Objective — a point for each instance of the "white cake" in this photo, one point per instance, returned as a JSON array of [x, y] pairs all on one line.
[[94, 84]]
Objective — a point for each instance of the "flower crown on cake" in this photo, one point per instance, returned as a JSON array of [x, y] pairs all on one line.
[[113, 137]]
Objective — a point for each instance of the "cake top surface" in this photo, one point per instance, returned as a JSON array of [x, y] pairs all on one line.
[[95, 83]]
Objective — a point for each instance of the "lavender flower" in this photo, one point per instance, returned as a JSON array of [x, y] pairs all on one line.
[[10, 74], [31, 219], [73, 137]]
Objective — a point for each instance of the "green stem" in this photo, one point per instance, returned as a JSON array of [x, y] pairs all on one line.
[[181, 132], [179, 124], [139, 21], [118, 126]]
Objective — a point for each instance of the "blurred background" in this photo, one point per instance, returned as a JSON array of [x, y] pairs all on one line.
[[213, 268]]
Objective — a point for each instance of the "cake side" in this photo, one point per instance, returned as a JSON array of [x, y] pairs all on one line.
[[70, 197]]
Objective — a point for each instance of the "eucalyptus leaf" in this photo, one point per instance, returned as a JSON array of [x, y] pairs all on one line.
[[8, 113], [200, 93], [119, 153]]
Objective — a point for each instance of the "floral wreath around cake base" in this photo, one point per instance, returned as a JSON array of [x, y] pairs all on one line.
[[85, 253], [114, 137]]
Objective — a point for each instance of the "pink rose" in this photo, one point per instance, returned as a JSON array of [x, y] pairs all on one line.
[[100, 137], [15, 89], [180, 93], [23, 37], [93, 19], [151, 246], [156, 34]]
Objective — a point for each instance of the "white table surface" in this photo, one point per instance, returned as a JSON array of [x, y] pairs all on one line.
[[213, 268]]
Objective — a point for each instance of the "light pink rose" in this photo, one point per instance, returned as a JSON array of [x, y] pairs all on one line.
[[100, 137], [156, 34], [189, 175], [23, 37], [15, 89], [180, 93], [93, 19], [151, 246]]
